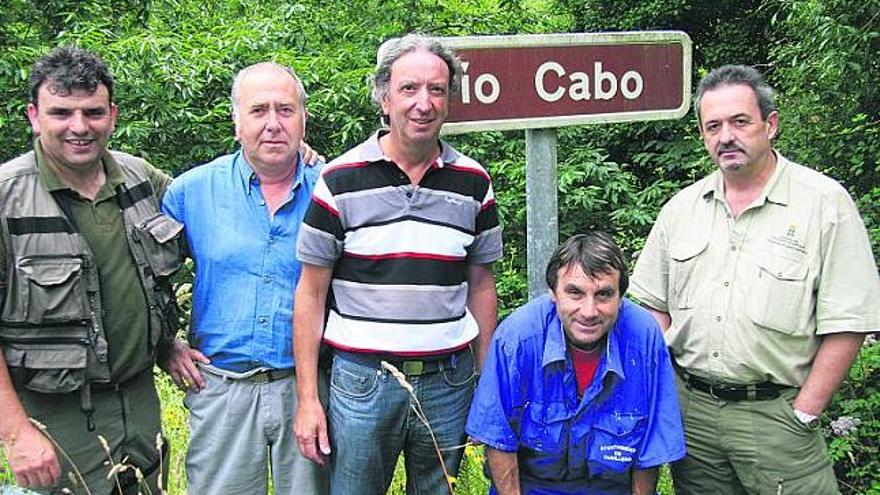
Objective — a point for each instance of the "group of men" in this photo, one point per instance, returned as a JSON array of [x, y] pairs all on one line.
[[742, 332]]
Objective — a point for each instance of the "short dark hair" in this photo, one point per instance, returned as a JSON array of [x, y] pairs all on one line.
[[69, 68], [595, 252], [737, 74], [393, 50]]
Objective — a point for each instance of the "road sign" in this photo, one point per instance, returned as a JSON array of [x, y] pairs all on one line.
[[555, 80]]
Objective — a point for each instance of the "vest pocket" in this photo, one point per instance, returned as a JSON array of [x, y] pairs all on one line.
[[48, 368], [158, 236], [53, 290]]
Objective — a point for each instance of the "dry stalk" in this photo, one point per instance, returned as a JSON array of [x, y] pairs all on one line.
[[77, 474], [417, 408], [160, 442]]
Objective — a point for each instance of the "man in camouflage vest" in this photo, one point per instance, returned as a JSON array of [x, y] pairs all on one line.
[[85, 304]]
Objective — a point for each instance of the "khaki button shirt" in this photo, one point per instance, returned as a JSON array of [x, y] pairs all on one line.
[[749, 297]]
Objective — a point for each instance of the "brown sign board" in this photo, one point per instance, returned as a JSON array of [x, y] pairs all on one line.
[[556, 80]]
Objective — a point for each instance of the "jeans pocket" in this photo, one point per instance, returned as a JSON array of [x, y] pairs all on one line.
[[464, 371], [353, 380]]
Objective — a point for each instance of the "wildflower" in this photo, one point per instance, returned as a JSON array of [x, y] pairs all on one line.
[[845, 425]]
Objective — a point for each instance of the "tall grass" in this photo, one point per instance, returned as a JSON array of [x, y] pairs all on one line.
[[470, 480]]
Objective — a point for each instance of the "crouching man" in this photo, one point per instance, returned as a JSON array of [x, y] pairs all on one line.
[[578, 394]]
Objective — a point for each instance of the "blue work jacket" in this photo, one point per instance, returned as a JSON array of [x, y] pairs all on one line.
[[526, 402]]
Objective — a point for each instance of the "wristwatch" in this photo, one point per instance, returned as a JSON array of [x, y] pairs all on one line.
[[806, 418]]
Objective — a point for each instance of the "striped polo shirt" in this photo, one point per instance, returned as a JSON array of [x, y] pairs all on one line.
[[400, 252]]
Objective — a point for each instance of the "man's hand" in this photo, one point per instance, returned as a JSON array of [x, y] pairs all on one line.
[[310, 428], [181, 365], [309, 156], [32, 458]]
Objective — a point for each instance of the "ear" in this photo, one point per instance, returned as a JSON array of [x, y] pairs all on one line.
[[772, 124], [32, 112], [114, 112], [237, 131], [552, 294]]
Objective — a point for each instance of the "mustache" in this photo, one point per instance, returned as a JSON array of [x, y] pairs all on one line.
[[725, 147]]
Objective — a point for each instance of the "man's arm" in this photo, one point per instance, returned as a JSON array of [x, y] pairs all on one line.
[[662, 317], [505, 471], [31, 455], [836, 354], [482, 301], [310, 425], [644, 481]]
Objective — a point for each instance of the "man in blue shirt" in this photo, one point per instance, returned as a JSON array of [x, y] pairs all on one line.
[[577, 394], [242, 213]]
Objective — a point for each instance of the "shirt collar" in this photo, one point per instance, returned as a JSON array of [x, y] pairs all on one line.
[[775, 191], [372, 151], [52, 182], [555, 345], [249, 178]]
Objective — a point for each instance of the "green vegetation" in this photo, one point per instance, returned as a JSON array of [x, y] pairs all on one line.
[[174, 61]]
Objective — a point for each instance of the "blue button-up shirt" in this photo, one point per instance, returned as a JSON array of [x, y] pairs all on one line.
[[527, 402], [245, 261]]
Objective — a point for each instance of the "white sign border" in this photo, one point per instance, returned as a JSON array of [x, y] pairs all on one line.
[[575, 39]]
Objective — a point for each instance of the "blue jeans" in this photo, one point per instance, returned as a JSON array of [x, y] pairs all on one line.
[[372, 421]]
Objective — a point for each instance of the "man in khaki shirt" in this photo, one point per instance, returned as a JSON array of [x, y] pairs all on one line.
[[762, 277]]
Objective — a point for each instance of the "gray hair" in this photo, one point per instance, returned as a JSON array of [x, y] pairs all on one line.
[[396, 48], [727, 75], [236, 83], [595, 252]]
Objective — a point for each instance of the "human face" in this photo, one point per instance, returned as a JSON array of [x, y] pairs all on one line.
[[417, 102], [734, 133], [73, 129], [271, 120], [587, 306]]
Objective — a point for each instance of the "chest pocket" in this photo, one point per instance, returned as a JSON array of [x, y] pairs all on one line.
[[53, 290], [685, 258], [782, 295], [543, 440], [158, 235], [615, 442]]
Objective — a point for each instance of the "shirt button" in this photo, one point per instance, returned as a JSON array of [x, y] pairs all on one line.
[[715, 354], [271, 240], [718, 318], [733, 248], [727, 284], [262, 320], [267, 279], [409, 194]]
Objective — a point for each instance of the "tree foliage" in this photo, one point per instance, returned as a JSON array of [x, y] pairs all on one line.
[[174, 61]]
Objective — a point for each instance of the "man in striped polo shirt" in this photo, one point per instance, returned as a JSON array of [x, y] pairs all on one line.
[[404, 229]]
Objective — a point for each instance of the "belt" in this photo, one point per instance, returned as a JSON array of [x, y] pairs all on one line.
[[264, 376], [734, 393], [269, 376], [409, 367]]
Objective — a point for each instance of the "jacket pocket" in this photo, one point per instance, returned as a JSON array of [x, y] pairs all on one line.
[[53, 290], [782, 295], [615, 441], [685, 256], [159, 236]]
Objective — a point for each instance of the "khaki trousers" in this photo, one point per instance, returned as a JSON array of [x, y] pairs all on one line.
[[749, 447], [128, 419]]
